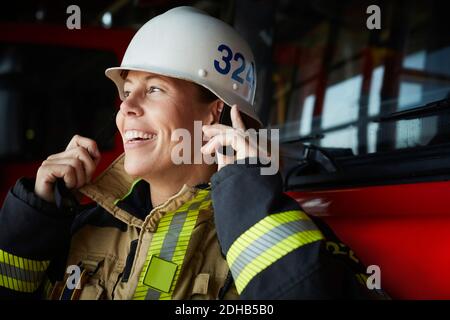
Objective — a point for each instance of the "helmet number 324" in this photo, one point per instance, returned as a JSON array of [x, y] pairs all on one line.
[[224, 66]]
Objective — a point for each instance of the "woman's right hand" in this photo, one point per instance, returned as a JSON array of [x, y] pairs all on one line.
[[75, 165]]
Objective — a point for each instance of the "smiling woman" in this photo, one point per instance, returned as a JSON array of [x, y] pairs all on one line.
[[158, 230], [153, 108]]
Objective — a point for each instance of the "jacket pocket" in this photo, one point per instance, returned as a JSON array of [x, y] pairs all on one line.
[[200, 288], [104, 276]]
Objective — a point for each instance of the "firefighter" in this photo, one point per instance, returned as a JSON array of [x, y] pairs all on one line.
[[159, 230]]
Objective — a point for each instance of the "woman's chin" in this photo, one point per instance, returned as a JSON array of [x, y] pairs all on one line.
[[136, 168]]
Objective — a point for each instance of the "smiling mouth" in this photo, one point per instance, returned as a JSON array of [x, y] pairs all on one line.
[[136, 136]]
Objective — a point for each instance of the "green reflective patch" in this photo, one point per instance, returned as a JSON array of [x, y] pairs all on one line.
[[160, 274]]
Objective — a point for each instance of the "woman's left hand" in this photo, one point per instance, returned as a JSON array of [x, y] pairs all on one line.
[[236, 137]]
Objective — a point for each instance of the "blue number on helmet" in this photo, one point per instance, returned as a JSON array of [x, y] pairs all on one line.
[[238, 71], [250, 78], [225, 58]]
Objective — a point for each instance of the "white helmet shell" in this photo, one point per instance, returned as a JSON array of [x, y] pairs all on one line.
[[186, 43]]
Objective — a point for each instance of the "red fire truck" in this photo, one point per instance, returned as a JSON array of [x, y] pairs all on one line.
[[363, 117]]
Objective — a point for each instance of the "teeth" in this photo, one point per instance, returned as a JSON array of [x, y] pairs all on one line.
[[133, 134]]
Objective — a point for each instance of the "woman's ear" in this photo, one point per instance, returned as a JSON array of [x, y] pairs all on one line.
[[216, 108]]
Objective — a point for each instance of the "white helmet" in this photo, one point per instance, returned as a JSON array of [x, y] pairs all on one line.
[[186, 43]]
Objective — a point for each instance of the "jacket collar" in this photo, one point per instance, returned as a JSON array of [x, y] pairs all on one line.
[[127, 198]]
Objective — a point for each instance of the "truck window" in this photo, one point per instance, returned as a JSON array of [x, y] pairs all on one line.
[[376, 101]]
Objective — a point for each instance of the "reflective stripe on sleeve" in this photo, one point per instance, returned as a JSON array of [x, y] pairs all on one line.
[[268, 241], [20, 274]]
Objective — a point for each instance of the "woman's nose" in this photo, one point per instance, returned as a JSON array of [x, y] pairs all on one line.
[[130, 107]]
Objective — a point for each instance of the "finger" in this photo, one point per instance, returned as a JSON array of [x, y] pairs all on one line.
[[215, 129], [83, 155], [89, 144], [218, 141], [74, 163], [210, 147], [217, 126], [243, 145], [55, 171], [236, 119], [88, 163], [216, 146]]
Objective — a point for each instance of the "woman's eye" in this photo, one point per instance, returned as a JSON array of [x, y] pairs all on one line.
[[153, 89]]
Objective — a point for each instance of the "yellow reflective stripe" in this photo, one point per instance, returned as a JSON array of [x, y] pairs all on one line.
[[273, 254], [362, 278], [155, 247], [263, 226], [180, 250], [22, 263], [18, 285], [48, 286], [20, 274], [267, 241], [182, 243]]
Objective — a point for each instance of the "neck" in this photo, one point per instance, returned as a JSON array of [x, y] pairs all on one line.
[[164, 186]]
